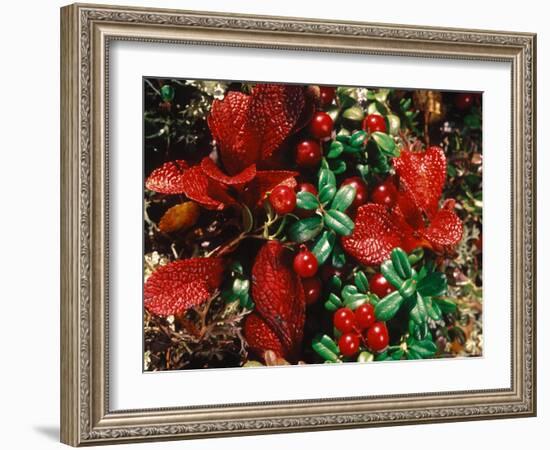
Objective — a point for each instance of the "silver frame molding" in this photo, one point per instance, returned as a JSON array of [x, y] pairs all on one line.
[[86, 31]]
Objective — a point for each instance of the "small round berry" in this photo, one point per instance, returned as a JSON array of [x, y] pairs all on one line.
[[306, 187], [380, 286], [364, 316], [384, 194], [374, 122], [283, 199], [464, 100], [312, 289], [344, 320], [377, 337], [308, 154], [361, 193], [305, 263], [349, 344], [321, 125], [327, 94]]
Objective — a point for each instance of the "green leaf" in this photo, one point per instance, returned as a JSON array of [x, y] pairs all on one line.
[[339, 222], [384, 356], [398, 354], [326, 194], [335, 283], [338, 166], [358, 139], [433, 285], [354, 113], [425, 348], [343, 136], [326, 178], [361, 281], [394, 124], [349, 150], [305, 229], [408, 288], [416, 255], [240, 286], [246, 301], [388, 306], [385, 143], [419, 313], [352, 297], [401, 263], [434, 311], [338, 256], [306, 200], [335, 149], [319, 344], [167, 93], [390, 274], [411, 354], [323, 247], [446, 305], [344, 197], [347, 96]]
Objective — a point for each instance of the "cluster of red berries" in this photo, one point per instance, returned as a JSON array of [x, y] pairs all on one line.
[[308, 151], [360, 327], [305, 265]]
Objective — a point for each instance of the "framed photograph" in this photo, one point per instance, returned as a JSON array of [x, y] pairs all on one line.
[[280, 225]]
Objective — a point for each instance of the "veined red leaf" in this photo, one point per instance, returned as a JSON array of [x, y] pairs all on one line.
[[213, 172], [374, 236], [182, 284], [249, 128], [422, 174], [445, 230], [260, 337], [278, 294], [167, 178]]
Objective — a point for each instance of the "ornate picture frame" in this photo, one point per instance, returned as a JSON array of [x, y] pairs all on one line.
[[86, 34]]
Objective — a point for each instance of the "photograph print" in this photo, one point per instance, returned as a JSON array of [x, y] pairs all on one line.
[[288, 224]]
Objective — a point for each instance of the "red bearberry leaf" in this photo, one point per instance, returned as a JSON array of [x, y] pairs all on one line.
[[167, 178], [260, 337], [213, 172], [374, 236], [274, 112], [196, 186], [422, 174], [444, 231], [278, 295], [249, 128], [182, 284]]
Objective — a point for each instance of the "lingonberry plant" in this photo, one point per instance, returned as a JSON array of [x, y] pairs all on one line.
[[288, 224]]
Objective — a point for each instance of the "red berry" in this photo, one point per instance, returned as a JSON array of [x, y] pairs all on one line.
[[308, 154], [312, 289], [361, 193], [307, 187], [305, 263], [321, 125], [374, 122], [380, 286], [377, 337], [344, 320], [327, 95], [464, 100], [364, 316], [384, 194], [283, 199], [349, 344]]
